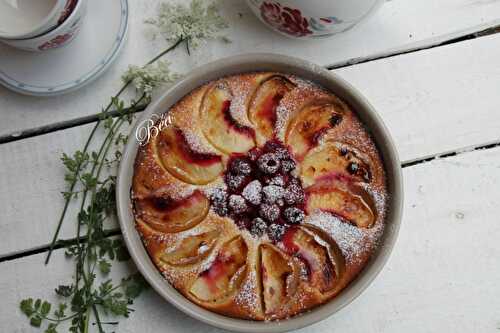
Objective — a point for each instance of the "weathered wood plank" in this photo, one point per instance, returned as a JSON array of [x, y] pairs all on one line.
[[31, 182], [398, 26], [437, 100], [442, 275], [433, 101]]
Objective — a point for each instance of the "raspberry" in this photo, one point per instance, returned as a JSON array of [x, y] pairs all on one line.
[[234, 182], [294, 215], [237, 204], [272, 193], [220, 208], [253, 192], [258, 227], [288, 165], [294, 194], [218, 198], [269, 212], [240, 166], [275, 232], [282, 153], [269, 163], [277, 148], [278, 180]]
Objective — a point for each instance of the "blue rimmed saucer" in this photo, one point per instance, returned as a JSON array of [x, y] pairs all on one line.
[[71, 67]]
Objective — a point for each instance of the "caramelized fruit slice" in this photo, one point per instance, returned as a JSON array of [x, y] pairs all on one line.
[[192, 249], [167, 215], [336, 160], [179, 159], [348, 201], [263, 104], [279, 279], [309, 124], [219, 126], [315, 253], [224, 275]]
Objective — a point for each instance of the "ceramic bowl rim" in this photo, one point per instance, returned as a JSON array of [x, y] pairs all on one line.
[[252, 63]]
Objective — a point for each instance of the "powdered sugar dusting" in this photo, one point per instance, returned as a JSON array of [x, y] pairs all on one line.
[[351, 240], [238, 102], [195, 143], [247, 297]]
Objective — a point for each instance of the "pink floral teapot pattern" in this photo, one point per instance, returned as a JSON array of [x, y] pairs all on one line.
[[312, 18]]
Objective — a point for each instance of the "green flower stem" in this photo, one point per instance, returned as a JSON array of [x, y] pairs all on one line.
[[99, 163], [161, 54], [89, 139], [66, 203], [78, 228], [72, 186], [86, 322], [118, 123], [98, 320]]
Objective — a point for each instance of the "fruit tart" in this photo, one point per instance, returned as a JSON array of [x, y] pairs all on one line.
[[262, 196]]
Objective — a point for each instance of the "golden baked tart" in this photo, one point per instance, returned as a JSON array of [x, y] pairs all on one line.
[[259, 196]]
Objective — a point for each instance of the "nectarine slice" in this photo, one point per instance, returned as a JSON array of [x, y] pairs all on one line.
[[167, 215], [309, 124], [180, 160], [191, 250], [279, 278], [219, 126], [334, 159], [263, 105], [225, 274], [350, 202], [320, 266]]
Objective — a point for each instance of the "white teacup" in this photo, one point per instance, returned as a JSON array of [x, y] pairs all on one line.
[[20, 19], [62, 34], [312, 18]]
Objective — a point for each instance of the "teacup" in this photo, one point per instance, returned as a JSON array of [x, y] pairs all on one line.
[[69, 23], [21, 19], [312, 18]]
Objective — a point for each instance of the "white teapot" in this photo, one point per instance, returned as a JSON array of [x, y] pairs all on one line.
[[312, 18]]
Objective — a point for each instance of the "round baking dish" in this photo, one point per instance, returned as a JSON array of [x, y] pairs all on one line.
[[277, 63]]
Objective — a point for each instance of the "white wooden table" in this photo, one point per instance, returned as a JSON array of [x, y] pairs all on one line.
[[433, 75]]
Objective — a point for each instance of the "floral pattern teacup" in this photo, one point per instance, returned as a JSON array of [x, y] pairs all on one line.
[[71, 22], [312, 18]]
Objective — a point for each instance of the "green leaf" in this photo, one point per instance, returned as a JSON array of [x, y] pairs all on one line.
[[51, 328], [105, 287], [116, 306], [88, 180], [104, 266], [26, 306], [134, 285], [59, 313], [45, 309], [36, 321], [38, 303], [63, 290]]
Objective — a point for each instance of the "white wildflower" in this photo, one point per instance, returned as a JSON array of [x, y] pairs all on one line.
[[146, 79], [195, 24]]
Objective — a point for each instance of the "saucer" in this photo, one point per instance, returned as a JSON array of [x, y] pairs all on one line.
[[69, 68]]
